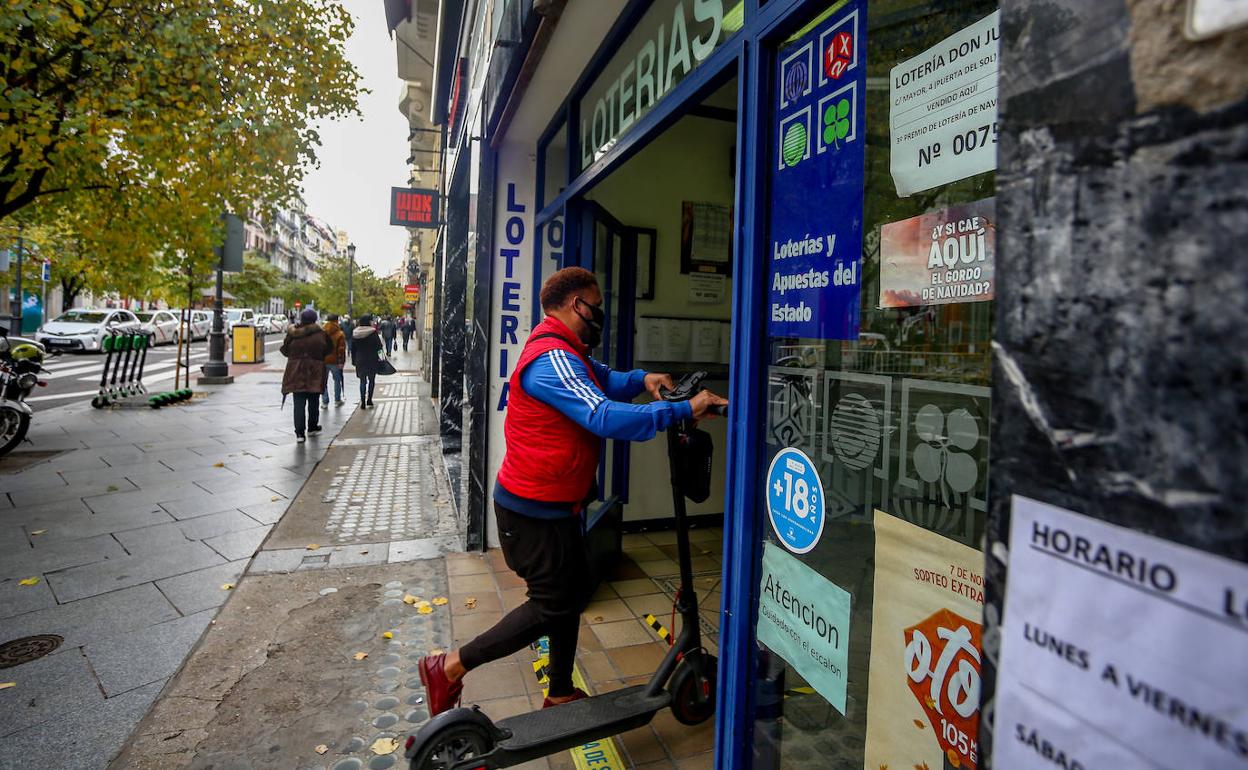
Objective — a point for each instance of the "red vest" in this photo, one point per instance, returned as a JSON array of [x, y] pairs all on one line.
[[549, 457]]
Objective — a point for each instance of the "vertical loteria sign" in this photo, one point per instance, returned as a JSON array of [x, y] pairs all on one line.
[[512, 292]]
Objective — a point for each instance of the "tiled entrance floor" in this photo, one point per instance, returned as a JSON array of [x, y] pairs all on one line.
[[617, 649]]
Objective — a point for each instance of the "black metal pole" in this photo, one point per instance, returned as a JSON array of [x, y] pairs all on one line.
[[350, 282], [216, 368], [17, 326]]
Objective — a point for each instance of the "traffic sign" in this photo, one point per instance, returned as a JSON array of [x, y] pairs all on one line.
[[47, 271]]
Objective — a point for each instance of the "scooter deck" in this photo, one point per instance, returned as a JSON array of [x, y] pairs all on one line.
[[572, 724]]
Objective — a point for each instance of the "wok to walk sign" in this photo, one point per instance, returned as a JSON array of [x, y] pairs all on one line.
[[410, 207]]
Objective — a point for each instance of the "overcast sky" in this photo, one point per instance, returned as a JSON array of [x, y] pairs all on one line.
[[362, 159]]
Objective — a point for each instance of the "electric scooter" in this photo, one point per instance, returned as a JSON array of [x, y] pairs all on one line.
[[467, 739]]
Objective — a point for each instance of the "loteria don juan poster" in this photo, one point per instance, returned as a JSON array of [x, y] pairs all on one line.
[[924, 683]]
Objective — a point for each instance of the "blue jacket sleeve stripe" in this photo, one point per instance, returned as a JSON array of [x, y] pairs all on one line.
[[559, 361]]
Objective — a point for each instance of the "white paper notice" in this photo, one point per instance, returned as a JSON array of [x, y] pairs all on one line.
[[649, 339], [706, 341], [706, 288], [1119, 650], [676, 339], [943, 119]]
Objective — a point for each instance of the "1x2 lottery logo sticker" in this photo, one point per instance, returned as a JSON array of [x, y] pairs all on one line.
[[795, 500]]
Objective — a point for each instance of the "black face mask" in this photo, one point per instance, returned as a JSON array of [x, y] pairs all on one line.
[[597, 316]]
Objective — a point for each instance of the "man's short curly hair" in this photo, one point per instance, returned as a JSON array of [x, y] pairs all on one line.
[[563, 284]]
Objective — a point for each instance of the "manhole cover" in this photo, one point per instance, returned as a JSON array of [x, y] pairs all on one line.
[[28, 648]]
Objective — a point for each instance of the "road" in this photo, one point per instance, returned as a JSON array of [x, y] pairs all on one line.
[[76, 376]]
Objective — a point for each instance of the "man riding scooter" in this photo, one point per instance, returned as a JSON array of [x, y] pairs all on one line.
[[562, 403]]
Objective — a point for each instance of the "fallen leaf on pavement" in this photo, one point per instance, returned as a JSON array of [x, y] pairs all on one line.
[[424, 608], [437, 651], [360, 655], [384, 746], [28, 581], [218, 465], [38, 532], [388, 635], [321, 749], [312, 546], [597, 618], [471, 602], [274, 499], [364, 551], [440, 600], [7, 685], [226, 586], [409, 599], [111, 488]]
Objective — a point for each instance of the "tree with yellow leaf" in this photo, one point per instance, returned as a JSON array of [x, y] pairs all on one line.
[[150, 119]]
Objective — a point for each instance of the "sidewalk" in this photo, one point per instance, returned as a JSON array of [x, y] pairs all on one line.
[[133, 528]]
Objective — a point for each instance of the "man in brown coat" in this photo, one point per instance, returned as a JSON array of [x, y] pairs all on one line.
[[306, 347], [334, 361]]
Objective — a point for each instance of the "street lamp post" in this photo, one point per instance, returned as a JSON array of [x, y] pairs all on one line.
[[350, 280]]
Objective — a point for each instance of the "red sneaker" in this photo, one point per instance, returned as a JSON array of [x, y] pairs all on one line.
[[443, 694], [577, 694]]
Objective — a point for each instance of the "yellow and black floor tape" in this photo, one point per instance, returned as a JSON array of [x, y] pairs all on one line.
[[601, 754], [663, 633]]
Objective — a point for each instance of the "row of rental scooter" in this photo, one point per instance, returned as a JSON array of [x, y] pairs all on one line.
[[121, 380]]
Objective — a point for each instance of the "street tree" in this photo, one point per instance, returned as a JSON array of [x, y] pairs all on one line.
[[159, 116]]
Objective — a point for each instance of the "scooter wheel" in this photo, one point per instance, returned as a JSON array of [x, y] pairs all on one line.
[[693, 699], [451, 745]]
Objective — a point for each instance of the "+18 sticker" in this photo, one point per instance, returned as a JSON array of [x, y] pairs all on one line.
[[795, 500]]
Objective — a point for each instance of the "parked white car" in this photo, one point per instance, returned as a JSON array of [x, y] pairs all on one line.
[[163, 324], [201, 324], [84, 328], [238, 315], [276, 324]]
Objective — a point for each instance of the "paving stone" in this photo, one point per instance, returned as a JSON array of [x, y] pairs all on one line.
[[48, 495], [285, 560], [177, 532], [12, 539], [358, 554], [133, 500], [241, 544], [190, 506], [79, 582], [44, 689], [270, 512], [79, 526], [201, 590], [56, 555], [16, 599], [151, 654], [28, 513], [428, 548], [92, 618], [86, 738]]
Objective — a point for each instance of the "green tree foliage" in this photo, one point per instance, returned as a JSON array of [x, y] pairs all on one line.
[[137, 123], [373, 294], [259, 280]]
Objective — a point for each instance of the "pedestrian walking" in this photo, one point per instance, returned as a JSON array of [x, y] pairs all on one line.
[[562, 404], [348, 326], [408, 326], [305, 348], [334, 361], [366, 354], [387, 333]]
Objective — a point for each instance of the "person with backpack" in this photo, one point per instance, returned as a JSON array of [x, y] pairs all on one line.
[[305, 348], [366, 355], [387, 333], [348, 326]]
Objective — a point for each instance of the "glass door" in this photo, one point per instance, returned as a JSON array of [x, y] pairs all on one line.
[[613, 249], [881, 234]]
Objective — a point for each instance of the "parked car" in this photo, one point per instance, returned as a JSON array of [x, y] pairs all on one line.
[[163, 324], [277, 324], [84, 328], [238, 315], [201, 324]]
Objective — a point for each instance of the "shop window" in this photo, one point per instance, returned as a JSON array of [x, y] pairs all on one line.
[[879, 386], [554, 166]]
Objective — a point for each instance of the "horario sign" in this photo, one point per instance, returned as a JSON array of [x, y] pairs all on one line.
[[411, 207]]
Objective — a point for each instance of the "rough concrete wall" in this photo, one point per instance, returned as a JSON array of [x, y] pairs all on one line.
[[1122, 300]]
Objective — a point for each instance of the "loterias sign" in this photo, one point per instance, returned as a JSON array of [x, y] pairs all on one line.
[[410, 207], [672, 38]]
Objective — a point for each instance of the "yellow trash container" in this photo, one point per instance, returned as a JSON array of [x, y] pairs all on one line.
[[248, 344]]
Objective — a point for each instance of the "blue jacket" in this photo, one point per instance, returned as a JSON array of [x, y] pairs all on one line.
[[562, 381]]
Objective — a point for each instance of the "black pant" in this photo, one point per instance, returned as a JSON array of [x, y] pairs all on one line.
[[307, 411], [550, 555], [368, 383]]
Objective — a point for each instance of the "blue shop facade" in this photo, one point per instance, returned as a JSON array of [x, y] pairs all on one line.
[[797, 198]]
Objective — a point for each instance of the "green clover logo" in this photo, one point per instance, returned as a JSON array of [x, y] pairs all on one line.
[[836, 122]]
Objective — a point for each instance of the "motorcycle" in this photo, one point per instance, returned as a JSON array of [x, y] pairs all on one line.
[[21, 363]]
